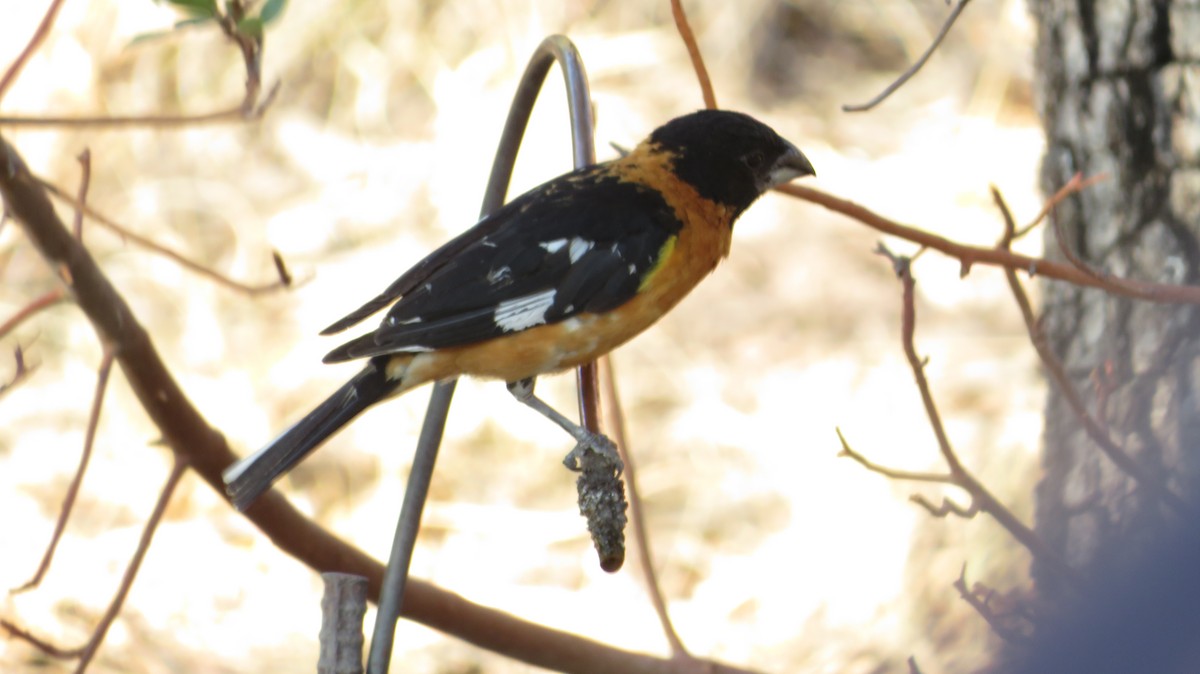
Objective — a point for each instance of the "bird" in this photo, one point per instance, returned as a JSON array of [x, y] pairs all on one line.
[[554, 279]]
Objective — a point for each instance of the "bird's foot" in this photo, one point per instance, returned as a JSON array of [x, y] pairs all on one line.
[[599, 445]]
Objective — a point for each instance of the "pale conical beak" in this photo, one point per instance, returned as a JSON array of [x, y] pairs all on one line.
[[791, 164]]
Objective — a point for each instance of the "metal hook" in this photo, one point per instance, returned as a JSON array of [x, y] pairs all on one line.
[[554, 48]]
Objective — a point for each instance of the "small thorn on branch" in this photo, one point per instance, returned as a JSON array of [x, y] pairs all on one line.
[[285, 277], [901, 264], [947, 508]]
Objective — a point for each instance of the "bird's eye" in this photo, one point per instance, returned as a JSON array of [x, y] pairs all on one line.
[[754, 160]]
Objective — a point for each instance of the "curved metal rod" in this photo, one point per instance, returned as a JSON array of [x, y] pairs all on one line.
[[554, 48]]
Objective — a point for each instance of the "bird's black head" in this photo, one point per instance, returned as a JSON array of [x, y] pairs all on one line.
[[729, 157]]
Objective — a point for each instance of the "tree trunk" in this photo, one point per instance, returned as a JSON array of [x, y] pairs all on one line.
[[1119, 90]]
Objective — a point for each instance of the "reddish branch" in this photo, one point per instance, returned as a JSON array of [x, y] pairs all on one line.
[[39, 36], [969, 256], [982, 500], [85, 457], [178, 467], [39, 304], [124, 232], [1058, 375], [637, 518], [19, 375], [85, 180], [693, 50]]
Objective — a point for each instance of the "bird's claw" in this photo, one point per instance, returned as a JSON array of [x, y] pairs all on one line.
[[599, 445]]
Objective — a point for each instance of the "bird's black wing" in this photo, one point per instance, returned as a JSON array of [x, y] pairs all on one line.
[[579, 243]]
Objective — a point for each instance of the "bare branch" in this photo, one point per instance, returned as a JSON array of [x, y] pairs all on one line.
[[615, 418], [178, 467], [85, 179], [39, 36], [1002, 624], [971, 255], [1058, 375], [77, 481], [149, 244], [39, 304], [914, 68], [21, 373], [893, 473], [947, 508], [693, 49]]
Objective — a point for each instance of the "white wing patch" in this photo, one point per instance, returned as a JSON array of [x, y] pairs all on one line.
[[498, 275], [578, 248], [524, 312]]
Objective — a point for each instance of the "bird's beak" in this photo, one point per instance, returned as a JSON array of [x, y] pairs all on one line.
[[791, 164]]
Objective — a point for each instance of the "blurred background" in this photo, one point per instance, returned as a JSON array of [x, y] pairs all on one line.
[[773, 553]]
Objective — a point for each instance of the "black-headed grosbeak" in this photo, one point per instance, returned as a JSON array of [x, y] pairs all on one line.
[[556, 278]]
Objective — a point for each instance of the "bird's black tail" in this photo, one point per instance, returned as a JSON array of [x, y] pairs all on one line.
[[250, 477]]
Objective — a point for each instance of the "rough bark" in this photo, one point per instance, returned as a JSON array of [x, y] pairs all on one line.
[[1119, 90]]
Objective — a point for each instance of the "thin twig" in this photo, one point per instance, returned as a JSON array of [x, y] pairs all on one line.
[[693, 49], [914, 68], [893, 473], [35, 41], [1072, 396], [68, 503], [972, 255], [39, 303], [159, 249], [1077, 183], [615, 418], [41, 645], [981, 497], [85, 179], [1060, 236], [178, 467], [983, 607], [947, 508], [21, 373], [237, 113]]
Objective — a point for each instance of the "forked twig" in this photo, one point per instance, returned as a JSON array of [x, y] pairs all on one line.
[[982, 499], [969, 255], [1058, 375], [283, 282]]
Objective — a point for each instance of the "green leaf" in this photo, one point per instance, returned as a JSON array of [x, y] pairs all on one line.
[[194, 21], [271, 10], [198, 8]]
